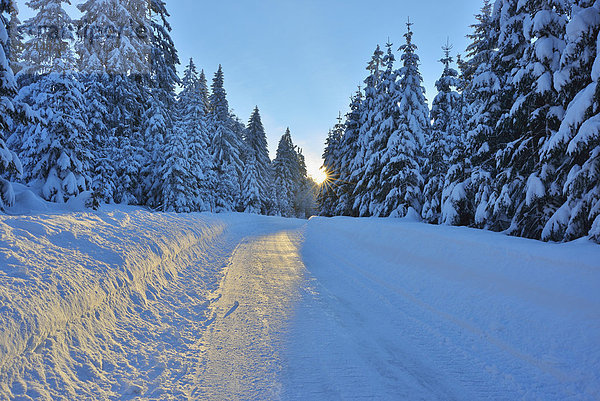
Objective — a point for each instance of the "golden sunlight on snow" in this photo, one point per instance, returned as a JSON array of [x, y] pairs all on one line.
[[256, 297]]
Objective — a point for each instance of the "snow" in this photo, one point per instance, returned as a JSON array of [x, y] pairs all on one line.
[[123, 303], [596, 65], [544, 83], [109, 304], [574, 116], [535, 189], [588, 133], [583, 20], [401, 310], [595, 231], [558, 222], [481, 214]]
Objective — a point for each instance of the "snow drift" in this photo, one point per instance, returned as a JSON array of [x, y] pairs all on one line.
[[56, 268]]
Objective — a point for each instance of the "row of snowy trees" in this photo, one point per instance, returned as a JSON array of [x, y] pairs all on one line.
[[512, 142], [91, 107]]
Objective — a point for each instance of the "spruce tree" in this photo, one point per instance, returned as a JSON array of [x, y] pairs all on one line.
[[239, 129], [367, 131], [125, 117], [15, 35], [480, 80], [225, 146], [93, 52], [129, 166], [510, 17], [404, 153], [306, 192], [329, 191], [178, 181], [349, 147], [55, 148], [444, 149], [251, 191], [533, 117], [104, 143], [385, 123], [304, 188], [115, 58], [287, 175], [10, 164], [193, 123], [573, 150], [160, 100], [48, 48], [256, 143], [155, 133], [204, 91]]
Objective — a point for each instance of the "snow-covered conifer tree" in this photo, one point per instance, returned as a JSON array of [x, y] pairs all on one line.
[[160, 94], [114, 49], [443, 141], [239, 128], [193, 123], [251, 191], [178, 181], [256, 144], [93, 49], [367, 131], [532, 118], [15, 36], [304, 202], [480, 80], [225, 146], [574, 149], [55, 148], [329, 191], [104, 143], [204, 91], [286, 175], [349, 147], [510, 17], [385, 124], [403, 157], [9, 161]]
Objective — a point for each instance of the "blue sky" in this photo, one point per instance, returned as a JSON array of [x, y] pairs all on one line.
[[300, 60]]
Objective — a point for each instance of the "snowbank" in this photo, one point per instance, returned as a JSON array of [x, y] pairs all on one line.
[[56, 268]]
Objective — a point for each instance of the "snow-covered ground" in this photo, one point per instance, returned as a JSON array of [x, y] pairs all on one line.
[[127, 304], [395, 309]]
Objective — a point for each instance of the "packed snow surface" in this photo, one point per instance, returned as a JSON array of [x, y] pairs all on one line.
[[127, 304]]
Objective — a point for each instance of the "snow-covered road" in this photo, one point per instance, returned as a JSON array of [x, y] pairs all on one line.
[[126, 304], [398, 310], [245, 341]]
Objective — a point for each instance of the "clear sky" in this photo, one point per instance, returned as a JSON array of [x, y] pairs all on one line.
[[300, 61]]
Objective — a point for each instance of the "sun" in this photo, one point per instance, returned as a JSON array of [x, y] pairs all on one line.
[[320, 176]]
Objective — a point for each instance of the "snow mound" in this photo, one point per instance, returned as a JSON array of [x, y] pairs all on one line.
[[412, 216], [56, 268]]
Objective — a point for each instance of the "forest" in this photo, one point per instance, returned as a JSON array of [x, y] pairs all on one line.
[[511, 142], [93, 107]]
